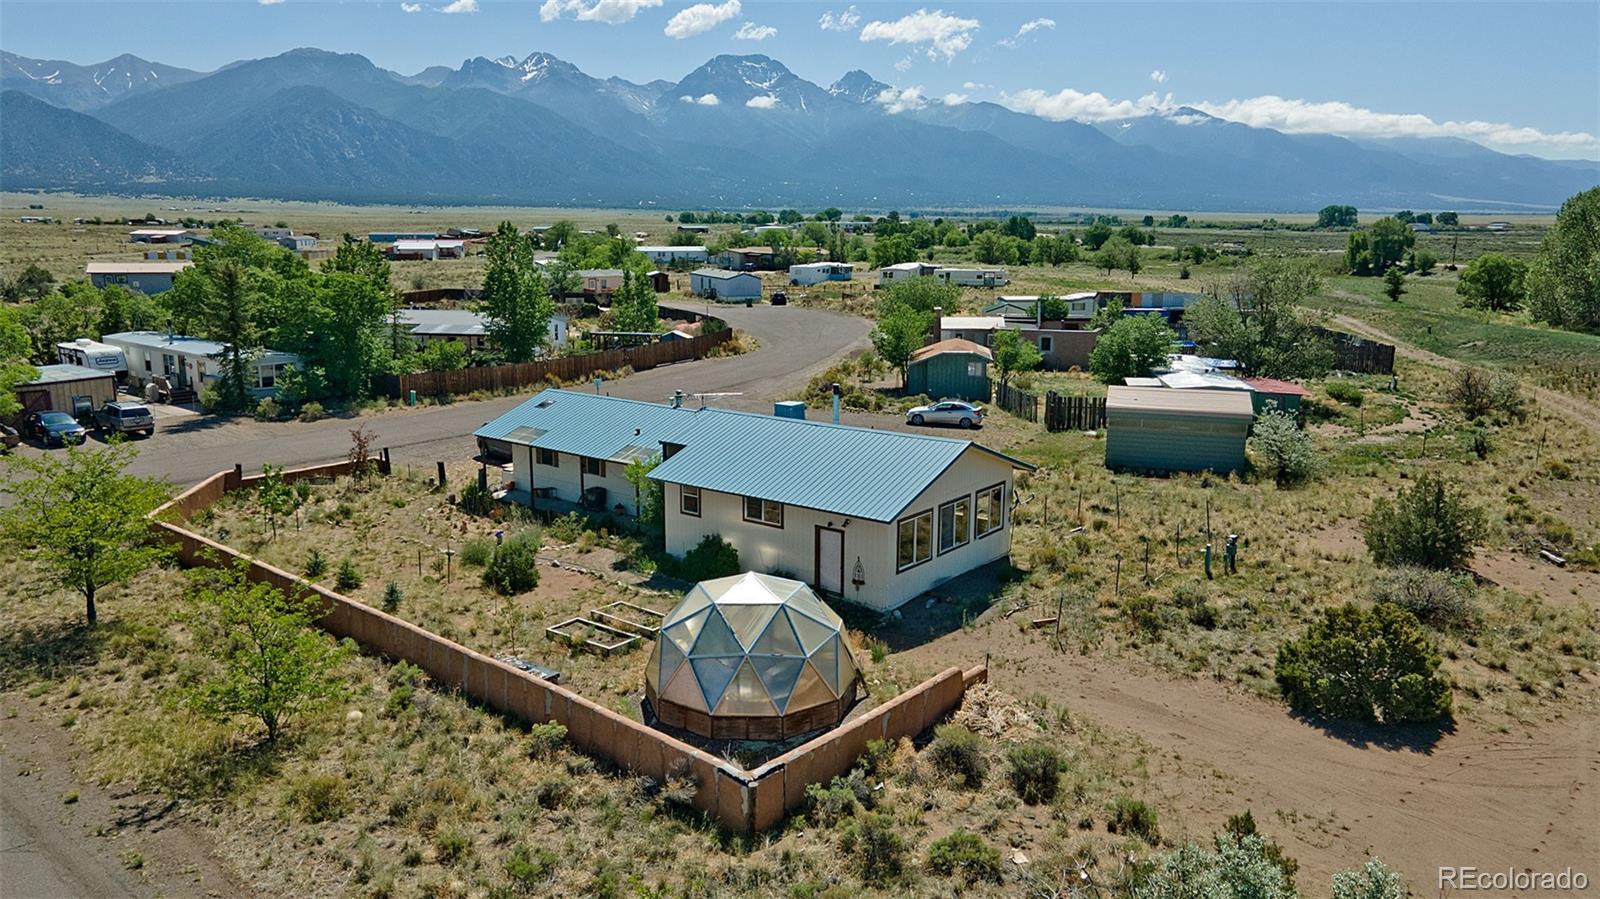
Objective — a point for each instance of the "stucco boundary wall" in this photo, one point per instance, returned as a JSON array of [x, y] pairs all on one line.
[[741, 800]]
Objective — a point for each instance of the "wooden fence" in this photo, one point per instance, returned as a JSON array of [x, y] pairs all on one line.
[[1358, 354], [1017, 401], [440, 295], [1074, 413], [564, 368]]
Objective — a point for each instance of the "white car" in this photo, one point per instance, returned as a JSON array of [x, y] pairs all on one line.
[[947, 412]]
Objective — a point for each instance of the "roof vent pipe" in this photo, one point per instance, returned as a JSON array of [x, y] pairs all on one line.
[[677, 399], [836, 393]]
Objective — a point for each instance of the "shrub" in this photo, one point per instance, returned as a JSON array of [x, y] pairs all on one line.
[[1132, 817], [476, 500], [1429, 524], [958, 752], [452, 846], [553, 792], [515, 566], [1287, 448], [1345, 392], [1241, 826], [316, 565], [313, 411], [392, 597], [319, 797], [568, 528], [545, 739], [1365, 665], [477, 552], [838, 800], [966, 854], [1438, 598], [529, 869], [1236, 867], [1477, 393], [347, 577], [1373, 881], [268, 409], [880, 851], [712, 557], [1034, 770]]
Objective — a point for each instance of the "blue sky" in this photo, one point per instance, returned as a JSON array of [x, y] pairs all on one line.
[[1520, 77]]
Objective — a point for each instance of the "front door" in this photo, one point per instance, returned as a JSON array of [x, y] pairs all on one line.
[[830, 561]]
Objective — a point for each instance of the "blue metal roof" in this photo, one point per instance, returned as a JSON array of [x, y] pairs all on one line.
[[851, 471]]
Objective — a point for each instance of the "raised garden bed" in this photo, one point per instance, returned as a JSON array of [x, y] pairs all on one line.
[[626, 616], [586, 633]]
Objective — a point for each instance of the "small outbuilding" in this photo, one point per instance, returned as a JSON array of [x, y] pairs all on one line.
[[721, 284], [62, 388], [751, 657], [950, 369], [1272, 394], [1161, 429]]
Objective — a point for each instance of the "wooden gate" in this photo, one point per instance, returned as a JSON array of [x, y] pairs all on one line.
[[1074, 413]]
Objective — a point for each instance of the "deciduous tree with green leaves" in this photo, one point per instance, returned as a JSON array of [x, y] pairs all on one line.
[[1133, 347], [277, 498], [81, 516], [272, 664], [14, 367], [1564, 281], [900, 333], [634, 308], [515, 298], [1493, 281], [1394, 283], [1013, 354], [1261, 323]]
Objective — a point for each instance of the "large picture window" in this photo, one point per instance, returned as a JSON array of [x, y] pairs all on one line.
[[914, 543], [689, 501], [547, 457], [955, 524], [990, 512], [763, 511]]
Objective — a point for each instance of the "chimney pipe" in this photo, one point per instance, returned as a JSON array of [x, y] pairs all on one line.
[[677, 399], [937, 326], [836, 393]]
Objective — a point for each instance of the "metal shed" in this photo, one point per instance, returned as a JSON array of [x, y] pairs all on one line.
[[57, 385], [950, 369], [1161, 429]]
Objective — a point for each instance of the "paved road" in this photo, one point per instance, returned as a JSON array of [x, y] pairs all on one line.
[[794, 345]]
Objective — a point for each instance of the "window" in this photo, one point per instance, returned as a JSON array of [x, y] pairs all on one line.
[[596, 467], [955, 524], [547, 457], [991, 510], [689, 501], [915, 541], [1046, 343], [977, 369], [763, 511]]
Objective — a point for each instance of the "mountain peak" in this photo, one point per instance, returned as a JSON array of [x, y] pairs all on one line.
[[858, 87]]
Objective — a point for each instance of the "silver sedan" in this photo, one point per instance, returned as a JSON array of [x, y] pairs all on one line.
[[947, 412]]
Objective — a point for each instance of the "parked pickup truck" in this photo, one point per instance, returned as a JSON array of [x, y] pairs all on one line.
[[125, 418]]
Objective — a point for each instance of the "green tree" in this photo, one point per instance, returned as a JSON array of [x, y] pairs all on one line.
[[634, 306], [892, 250], [1262, 325], [1372, 881], [1286, 447], [277, 498], [514, 296], [1564, 280], [67, 314], [122, 309], [1114, 254], [1021, 227], [272, 664], [1493, 281], [442, 355], [1373, 250], [921, 294], [648, 495], [82, 517], [1133, 347], [900, 333], [1429, 524], [355, 256], [337, 322], [1237, 868], [34, 282], [1450, 219], [1336, 217], [14, 368], [1096, 235], [1013, 354], [1424, 261], [1394, 283], [1367, 665]]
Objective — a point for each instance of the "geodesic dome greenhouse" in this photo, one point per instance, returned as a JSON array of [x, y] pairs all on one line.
[[751, 657]]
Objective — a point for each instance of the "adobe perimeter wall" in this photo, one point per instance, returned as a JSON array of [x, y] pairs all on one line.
[[741, 800]]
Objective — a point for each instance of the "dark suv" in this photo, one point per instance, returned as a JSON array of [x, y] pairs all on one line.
[[125, 418]]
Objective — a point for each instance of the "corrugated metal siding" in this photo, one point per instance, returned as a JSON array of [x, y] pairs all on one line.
[[1174, 443], [945, 376]]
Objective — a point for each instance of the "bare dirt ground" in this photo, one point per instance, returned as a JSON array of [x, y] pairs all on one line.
[[1525, 798], [104, 842]]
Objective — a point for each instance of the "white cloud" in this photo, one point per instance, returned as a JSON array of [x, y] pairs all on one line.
[[896, 100], [700, 18], [750, 31], [1159, 76], [611, 12], [976, 85], [1091, 107], [702, 100], [763, 101], [269, 2], [459, 6], [410, 7], [954, 99], [945, 35], [1027, 27], [1339, 117], [845, 21], [903, 64]]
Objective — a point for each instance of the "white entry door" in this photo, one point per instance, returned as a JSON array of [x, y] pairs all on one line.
[[830, 561]]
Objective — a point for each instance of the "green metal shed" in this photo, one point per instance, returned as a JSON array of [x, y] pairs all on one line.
[[950, 369], [1271, 393], [1165, 429]]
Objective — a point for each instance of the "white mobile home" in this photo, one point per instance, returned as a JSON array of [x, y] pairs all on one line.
[[873, 517], [191, 363], [973, 277], [668, 255], [721, 284], [817, 272], [901, 271]]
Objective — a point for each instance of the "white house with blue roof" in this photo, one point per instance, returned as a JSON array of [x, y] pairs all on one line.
[[873, 517]]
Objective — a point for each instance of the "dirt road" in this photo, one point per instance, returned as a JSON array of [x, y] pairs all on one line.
[[1576, 409], [794, 344]]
